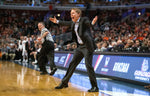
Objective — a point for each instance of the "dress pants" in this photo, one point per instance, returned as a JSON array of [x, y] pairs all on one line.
[[79, 53], [46, 55]]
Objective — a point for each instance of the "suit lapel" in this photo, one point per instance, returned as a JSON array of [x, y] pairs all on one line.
[[79, 27], [72, 26]]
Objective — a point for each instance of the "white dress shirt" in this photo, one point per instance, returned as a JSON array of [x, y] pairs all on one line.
[[76, 31]]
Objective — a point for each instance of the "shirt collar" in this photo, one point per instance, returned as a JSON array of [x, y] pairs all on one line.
[[77, 20], [42, 29]]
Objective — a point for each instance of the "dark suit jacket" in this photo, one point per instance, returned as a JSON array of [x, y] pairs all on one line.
[[83, 31]]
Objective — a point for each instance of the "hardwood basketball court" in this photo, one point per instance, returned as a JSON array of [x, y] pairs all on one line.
[[16, 80]]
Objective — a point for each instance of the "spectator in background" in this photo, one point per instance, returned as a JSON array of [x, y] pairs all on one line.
[[73, 46], [56, 47], [28, 48], [99, 46], [68, 47], [11, 52], [104, 47], [36, 53], [148, 45], [4, 51], [136, 47], [112, 46], [128, 46], [19, 50], [119, 47], [144, 47], [24, 51]]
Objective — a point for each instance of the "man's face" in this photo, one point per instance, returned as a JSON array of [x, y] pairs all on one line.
[[21, 37], [40, 26], [74, 15]]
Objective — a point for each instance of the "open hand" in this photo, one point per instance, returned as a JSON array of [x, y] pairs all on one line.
[[54, 20], [94, 20]]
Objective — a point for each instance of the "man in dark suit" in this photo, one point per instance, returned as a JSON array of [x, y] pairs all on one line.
[[80, 27]]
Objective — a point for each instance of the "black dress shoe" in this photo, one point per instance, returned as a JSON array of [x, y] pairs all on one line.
[[61, 86], [53, 71], [43, 73], [93, 89]]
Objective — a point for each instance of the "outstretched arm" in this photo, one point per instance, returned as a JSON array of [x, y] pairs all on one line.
[[64, 23]]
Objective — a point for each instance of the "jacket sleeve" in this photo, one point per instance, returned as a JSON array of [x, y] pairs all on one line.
[[65, 23]]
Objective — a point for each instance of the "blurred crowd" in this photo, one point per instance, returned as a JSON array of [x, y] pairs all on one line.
[[130, 35], [112, 33], [85, 2]]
